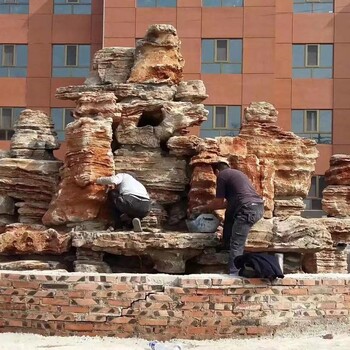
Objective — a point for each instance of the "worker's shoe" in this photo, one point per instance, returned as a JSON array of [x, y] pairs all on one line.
[[136, 223]]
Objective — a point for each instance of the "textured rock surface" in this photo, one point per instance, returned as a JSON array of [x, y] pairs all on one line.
[[31, 184], [339, 171], [23, 265], [123, 92], [184, 145], [294, 234], [262, 112], [149, 123], [166, 174], [288, 207], [93, 104], [38, 239], [336, 200], [336, 196], [339, 228], [328, 261], [88, 153], [34, 136], [279, 163], [157, 57], [113, 64], [7, 205], [169, 251], [191, 91]]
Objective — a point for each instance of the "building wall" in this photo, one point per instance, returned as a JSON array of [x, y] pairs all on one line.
[[269, 28], [40, 29], [186, 307]]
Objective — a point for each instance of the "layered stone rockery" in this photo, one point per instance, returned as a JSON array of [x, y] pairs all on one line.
[[167, 307], [34, 136], [143, 93], [336, 196], [279, 163], [26, 189]]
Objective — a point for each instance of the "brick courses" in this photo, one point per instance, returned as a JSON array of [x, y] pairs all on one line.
[[189, 307]]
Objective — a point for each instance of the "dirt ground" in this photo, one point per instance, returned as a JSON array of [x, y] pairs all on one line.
[[11, 341]]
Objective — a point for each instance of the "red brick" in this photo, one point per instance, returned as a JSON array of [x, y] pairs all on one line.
[[223, 299], [160, 297], [259, 330], [331, 282], [195, 299], [75, 309], [326, 305], [211, 291], [25, 285], [121, 320], [55, 301], [152, 322], [287, 282], [83, 302], [79, 326], [86, 286], [126, 287], [295, 291]]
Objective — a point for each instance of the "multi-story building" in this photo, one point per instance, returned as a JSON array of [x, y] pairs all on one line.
[[293, 53]]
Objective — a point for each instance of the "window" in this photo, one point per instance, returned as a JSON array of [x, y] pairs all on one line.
[[71, 61], [313, 6], [72, 7], [156, 3], [8, 55], [313, 61], [221, 52], [314, 197], [8, 118], [14, 6], [313, 124], [61, 117], [312, 55], [71, 55], [222, 121], [13, 60], [222, 3], [222, 56]]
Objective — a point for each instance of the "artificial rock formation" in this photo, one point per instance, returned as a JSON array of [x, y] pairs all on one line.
[[279, 163], [133, 114], [147, 109], [88, 154], [28, 184], [34, 136], [157, 57], [28, 239], [336, 196]]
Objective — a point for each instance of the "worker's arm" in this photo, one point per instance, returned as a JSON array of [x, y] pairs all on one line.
[[215, 204]]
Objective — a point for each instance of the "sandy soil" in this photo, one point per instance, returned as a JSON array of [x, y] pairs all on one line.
[[10, 341]]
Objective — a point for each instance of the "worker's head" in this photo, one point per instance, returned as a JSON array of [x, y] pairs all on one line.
[[220, 166]]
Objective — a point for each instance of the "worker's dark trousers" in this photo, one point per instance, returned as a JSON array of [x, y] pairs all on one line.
[[236, 229], [132, 206]]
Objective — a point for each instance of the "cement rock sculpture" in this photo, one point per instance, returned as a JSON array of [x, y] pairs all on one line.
[[336, 196], [133, 114], [34, 136]]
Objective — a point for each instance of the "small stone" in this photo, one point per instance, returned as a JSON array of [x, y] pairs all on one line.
[[328, 336]]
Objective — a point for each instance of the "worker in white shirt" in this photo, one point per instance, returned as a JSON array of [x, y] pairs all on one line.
[[129, 198]]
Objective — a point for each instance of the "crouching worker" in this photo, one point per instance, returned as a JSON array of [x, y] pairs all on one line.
[[129, 198], [244, 207]]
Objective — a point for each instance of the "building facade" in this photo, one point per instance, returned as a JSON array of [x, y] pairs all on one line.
[[292, 53]]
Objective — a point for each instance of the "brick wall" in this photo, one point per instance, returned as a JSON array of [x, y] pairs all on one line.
[[163, 307]]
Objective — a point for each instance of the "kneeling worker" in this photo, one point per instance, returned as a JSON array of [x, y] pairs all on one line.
[[129, 198], [244, 207]]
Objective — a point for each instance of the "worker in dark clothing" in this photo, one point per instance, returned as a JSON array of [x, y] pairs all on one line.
[[244, 207]]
